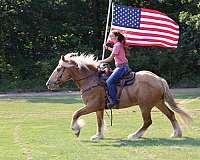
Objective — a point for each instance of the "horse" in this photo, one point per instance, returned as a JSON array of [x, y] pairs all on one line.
[[148, 91]]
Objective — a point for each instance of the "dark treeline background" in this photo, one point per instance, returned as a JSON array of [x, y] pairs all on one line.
[[34, 33]]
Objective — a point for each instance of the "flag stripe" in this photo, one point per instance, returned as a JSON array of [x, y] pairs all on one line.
[[151, 44], [159, 29], [160, 19], [142, 43], [149, 12], [152, 40], [145, 32], [146, 37], [153, 11], [145, 27], [156, 23]]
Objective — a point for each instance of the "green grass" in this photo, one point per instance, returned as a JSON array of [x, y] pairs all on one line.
[[38, 128]]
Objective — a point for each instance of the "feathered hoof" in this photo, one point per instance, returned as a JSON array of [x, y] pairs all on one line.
[[178, 135], [132, 137], [77, 133], [96, 138]]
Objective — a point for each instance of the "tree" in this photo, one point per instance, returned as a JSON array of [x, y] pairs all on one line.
[[33, 35]]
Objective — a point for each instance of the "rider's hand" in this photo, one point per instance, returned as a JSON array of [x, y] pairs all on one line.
[[105, 47], [99, 63]]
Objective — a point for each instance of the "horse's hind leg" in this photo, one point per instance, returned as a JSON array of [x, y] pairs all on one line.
[[100, 126], [171, 116], [146, 115]]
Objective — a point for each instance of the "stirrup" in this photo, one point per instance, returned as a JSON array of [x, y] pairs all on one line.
[[111, 105]]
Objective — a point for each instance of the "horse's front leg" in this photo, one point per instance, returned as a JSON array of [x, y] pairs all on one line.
[[75, 125], [100, 126]]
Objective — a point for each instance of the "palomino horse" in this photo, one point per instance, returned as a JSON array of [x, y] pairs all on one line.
[[148, 90]]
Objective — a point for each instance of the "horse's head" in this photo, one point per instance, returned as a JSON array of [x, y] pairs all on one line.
[[61, 73], [68, 66]]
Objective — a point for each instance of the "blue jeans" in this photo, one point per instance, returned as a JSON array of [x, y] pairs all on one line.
[[117, 73]]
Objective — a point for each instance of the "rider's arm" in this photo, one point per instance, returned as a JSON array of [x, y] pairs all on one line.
[[114, 51], [109, 59], [108, 48]]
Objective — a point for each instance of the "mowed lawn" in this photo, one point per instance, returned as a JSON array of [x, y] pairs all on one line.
[[38, 128]]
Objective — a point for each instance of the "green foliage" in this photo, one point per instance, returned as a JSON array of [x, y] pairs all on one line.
[[33, 35], [191, 15]]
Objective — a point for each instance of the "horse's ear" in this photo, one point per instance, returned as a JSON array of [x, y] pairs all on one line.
[[73, 62], [63, 59]]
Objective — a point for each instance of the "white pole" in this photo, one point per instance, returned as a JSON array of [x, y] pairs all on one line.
[[106, 32]]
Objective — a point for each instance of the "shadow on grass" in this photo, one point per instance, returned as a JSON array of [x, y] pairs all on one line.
[[54, 99], [186, 96], [159, 142], [185, 141]]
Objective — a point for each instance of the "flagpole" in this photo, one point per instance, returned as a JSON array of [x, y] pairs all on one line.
[[106, 32]]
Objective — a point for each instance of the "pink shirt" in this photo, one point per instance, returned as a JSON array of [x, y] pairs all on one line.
[[119, 54]]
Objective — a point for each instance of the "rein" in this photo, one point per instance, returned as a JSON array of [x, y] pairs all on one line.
[[76, 80], [84, 90], [88, 89], [90, 75], [110, 117]]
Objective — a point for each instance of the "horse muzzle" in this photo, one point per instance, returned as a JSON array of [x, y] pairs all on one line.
[[51, 85]]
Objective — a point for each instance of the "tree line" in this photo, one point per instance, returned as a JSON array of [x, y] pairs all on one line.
[[34, 33]]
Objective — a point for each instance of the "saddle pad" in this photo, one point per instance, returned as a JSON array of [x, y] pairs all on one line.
[[126, 80]]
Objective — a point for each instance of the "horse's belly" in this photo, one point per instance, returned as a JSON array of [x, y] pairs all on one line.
[[128, 97]]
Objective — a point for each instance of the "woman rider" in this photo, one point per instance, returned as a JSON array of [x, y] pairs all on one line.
[[118, 53]]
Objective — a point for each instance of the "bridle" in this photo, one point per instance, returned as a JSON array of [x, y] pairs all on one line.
[[76, 80], [59, 81]]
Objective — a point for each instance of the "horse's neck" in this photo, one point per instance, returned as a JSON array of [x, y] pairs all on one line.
[[85, 79]]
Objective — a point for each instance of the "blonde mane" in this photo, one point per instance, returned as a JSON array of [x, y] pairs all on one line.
[[83, 60]]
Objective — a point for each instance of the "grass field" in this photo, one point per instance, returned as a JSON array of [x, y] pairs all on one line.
[[38, 128]]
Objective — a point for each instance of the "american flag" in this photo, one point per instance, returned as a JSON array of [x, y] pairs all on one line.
[[145, 27]]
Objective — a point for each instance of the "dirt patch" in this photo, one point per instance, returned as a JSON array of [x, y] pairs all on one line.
[[20, 142], [41, 127], [68, 93], [38, 94]]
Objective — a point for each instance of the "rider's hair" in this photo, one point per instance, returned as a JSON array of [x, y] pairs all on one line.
[[121, 39]]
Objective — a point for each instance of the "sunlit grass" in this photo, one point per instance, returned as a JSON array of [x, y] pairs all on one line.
[[38, 128]]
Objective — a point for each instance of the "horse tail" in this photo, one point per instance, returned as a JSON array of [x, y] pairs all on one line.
[[185, 117]]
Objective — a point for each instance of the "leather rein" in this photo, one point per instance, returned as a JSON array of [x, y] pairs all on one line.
[[88, 89], [78, 80]]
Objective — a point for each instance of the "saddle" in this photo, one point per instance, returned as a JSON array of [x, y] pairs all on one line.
[[127, 79]]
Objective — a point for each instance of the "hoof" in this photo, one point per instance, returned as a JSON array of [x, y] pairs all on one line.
[[77, 133], [96, 138], [132, 137], [176, 136], [76, 130], [136, 135]]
